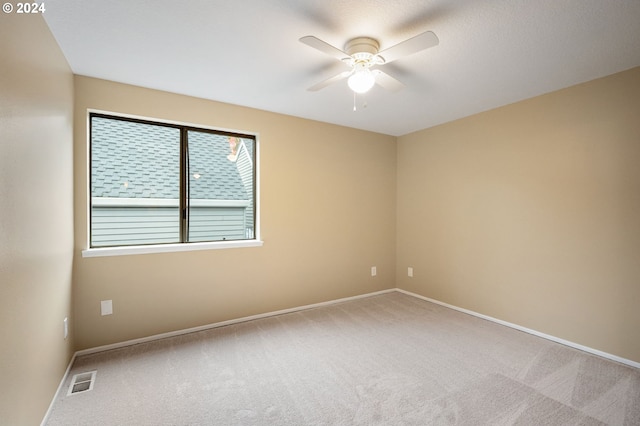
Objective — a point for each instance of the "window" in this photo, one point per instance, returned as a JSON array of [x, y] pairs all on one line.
[[157, 183]]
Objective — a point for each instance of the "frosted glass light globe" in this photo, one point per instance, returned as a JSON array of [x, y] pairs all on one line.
[[361, 81]]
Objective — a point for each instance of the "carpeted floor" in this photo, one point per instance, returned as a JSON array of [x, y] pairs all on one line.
[[389, 359]]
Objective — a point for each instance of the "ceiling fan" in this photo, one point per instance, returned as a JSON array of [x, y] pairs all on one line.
[[362, 55]]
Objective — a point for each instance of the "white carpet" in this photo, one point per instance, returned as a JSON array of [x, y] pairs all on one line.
[[390, 359]]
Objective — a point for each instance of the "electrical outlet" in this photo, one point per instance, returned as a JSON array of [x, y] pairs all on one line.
[[410, 271], [374, 271], [66, 327], [106, 307]]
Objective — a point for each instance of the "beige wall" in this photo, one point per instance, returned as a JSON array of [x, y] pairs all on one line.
[[530, 213], [36, 217], [328, 215]]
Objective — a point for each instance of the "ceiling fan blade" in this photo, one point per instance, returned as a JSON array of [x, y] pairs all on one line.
[[329, 81], [386, 81], [408, 47], [324, 47]]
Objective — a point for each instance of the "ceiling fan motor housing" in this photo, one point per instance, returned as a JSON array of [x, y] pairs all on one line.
[[362, 45], [363, 50]]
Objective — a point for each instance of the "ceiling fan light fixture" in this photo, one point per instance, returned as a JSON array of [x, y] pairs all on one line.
[[361, 80], [363, 53]]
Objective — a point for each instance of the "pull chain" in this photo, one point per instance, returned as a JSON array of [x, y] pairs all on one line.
[[364, 102]]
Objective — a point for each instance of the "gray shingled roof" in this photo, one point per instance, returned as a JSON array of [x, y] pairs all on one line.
[[219, 177], [135, 160]]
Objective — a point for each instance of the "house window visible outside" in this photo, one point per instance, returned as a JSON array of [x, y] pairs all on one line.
[[157, 183]]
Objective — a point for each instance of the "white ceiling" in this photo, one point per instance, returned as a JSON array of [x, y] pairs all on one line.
[[246, 52]]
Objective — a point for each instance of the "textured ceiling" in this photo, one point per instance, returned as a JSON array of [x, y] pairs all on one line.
[[246, 52]]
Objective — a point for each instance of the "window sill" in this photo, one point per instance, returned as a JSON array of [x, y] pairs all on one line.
[[168, 248]]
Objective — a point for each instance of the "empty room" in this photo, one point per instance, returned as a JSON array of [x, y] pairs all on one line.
[[294, 212]]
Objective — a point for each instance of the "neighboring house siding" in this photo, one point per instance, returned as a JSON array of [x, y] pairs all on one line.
[[114, 226], [216, 224], [119, 225], [245, 168]]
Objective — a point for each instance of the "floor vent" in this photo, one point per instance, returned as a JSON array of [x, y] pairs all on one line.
[[82, 382]]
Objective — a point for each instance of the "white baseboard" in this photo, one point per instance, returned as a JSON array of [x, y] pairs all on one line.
[[223, 323], [60, 387], [530, 331]]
